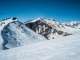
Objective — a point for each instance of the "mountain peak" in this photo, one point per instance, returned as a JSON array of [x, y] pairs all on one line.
[[14, 18]]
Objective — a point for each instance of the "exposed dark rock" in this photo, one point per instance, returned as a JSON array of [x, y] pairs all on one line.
[[14, 18], [60, 32], [3, 19], [67, 34], [45, 29]]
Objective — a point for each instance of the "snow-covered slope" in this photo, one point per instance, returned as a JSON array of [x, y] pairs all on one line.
[[72, 30], [14, 34], [73, 24], [49, 28], [2, 25], [65, 48]]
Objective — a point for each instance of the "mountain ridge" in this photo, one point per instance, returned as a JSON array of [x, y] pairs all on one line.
[[43, 25]]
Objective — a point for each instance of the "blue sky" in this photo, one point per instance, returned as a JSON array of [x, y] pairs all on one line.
[[60, 10]]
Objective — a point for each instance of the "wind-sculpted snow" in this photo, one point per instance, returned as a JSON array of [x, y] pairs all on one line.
[[16, 34], [64, 48], [3, 23]]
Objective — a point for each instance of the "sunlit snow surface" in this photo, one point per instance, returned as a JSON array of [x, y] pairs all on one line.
[[64, 48]]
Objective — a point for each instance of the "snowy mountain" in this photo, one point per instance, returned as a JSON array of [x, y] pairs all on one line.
[[49, 28], [64, 48], [72, 27], [14, 33], [73, 24]]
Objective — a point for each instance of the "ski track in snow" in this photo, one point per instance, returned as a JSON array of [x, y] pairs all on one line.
[[64, 48]]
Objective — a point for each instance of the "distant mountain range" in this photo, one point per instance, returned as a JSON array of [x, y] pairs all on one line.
[[73, 24]]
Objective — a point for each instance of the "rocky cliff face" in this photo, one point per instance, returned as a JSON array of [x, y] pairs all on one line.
[[49, 28]]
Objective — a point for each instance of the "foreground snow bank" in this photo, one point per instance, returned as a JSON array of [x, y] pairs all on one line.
[[64, 48]]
